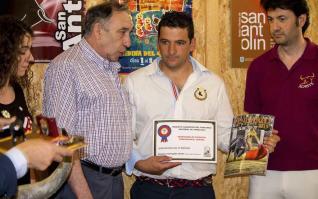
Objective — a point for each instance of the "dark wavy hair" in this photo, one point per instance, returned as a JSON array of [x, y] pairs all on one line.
[[298, 7], [12, 32], [174, 19]]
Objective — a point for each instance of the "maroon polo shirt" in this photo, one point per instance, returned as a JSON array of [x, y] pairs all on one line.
[[292, 97]]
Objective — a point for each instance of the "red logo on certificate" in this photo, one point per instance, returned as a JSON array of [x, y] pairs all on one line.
[[164, 131]]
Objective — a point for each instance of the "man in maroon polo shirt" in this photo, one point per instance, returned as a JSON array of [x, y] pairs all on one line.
[[283, 82]]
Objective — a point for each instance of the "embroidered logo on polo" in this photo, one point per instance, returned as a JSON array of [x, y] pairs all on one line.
[[306, 81], [164, 131], [200, 94]]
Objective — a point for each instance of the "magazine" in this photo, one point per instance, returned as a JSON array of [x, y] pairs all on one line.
[[247, 154]]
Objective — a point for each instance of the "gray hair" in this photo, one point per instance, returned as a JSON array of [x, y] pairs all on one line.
[[101, 12]]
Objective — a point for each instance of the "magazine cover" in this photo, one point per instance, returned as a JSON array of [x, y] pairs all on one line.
[[247, 154]]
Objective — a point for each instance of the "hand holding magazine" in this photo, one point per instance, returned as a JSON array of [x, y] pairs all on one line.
[[247, 154]]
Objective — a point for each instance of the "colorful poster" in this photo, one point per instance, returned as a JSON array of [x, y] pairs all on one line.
[[56, 24], [146, 15], [250, 32]]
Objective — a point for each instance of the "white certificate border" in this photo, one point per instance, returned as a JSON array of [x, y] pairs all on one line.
[[214, 124]]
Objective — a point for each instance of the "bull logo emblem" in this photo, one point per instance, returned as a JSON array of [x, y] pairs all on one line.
[[306, 81]]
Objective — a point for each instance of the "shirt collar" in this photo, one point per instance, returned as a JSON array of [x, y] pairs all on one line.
[[310, 51], [99, 60], [154, 68]]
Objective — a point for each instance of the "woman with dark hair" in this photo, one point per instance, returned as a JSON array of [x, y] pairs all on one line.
[[15, 60]]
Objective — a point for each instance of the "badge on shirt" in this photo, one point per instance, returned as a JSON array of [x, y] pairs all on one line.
[[200, 94]]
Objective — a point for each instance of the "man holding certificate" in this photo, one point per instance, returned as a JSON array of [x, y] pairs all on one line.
[[181, 116]]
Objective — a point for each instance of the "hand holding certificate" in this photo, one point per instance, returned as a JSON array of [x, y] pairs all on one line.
[[185, 140], [155, 165]]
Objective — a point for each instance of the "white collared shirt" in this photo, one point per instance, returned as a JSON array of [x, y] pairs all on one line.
[[152, 98]]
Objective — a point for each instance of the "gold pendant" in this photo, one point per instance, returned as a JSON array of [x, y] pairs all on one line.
[[5, 114]]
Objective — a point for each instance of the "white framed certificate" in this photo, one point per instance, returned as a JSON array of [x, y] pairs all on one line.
[[186, 140]]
